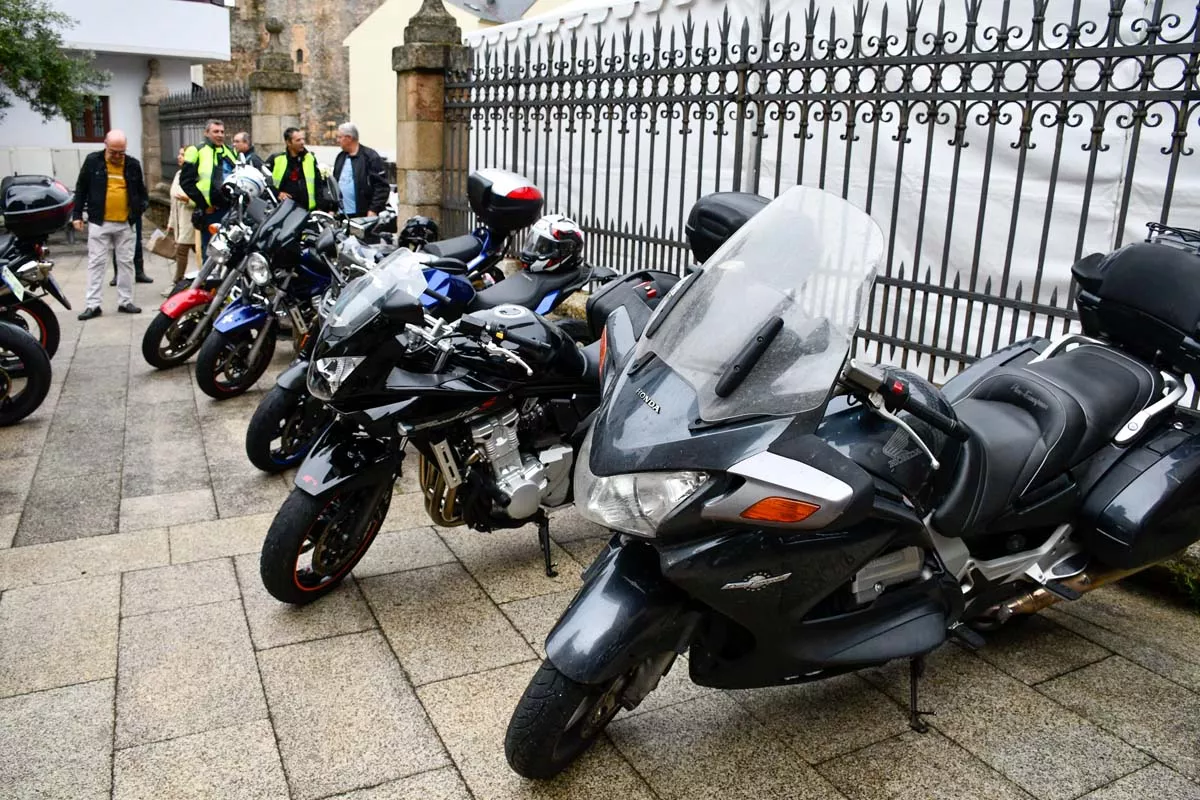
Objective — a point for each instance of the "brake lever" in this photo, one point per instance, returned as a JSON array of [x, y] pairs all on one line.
[[875, 400], [491, 347]]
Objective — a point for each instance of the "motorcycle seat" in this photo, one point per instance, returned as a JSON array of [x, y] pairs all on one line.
[[526, 289], [1031, 423], [463, 248]]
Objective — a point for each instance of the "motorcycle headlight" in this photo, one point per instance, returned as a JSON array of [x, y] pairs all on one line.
[[218, 247], [258, 268], [635, 503], [326, 375]]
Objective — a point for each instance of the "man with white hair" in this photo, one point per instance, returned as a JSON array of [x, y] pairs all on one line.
[[112, 191], [364, 185]]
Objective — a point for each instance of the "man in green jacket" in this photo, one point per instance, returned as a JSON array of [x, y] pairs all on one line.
[[204, 168], [295, 172]]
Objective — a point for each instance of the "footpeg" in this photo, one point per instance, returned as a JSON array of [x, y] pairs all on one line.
[[1062, 590], [967, 636]]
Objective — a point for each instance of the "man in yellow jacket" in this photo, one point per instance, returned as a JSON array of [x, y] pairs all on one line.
[[296, 174], [204, 168]]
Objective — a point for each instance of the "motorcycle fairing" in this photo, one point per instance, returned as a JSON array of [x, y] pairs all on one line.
[[180, 303], [337, 460], [240, 314]]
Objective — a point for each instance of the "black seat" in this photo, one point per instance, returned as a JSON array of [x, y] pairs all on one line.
[[464, 248], [1032, 423], [524, 289]]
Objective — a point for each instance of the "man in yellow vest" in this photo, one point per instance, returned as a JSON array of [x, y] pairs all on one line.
[[295, 172], [204, 168]]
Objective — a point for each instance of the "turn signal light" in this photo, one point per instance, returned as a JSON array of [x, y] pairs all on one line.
[[214, 227], [603, 351], [780, 509]]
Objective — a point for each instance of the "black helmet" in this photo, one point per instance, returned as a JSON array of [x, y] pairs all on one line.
[[554, 242], [418, 232]]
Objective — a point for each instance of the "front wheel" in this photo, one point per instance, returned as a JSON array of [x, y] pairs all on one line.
[[283, 429], [557, 720], [24, 374], [37, 319], [313, 543], [165, 343], [227, 366]]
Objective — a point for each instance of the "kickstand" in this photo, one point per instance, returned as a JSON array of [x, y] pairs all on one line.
[[543, 523], [916, 668]]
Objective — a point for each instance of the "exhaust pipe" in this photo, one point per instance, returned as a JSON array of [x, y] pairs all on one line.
[[1038, 599]]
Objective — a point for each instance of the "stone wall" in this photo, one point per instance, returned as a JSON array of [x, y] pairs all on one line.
[[315, 28]]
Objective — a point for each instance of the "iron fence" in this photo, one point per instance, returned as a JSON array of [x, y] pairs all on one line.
[[995, 143], [182, 117]]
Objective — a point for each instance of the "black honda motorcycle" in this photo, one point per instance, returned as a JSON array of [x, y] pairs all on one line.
[[784, 515], [492, 401]]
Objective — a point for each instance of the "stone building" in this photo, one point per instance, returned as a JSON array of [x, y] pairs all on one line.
[[313, 33]]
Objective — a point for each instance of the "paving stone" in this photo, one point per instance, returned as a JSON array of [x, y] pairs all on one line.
[[56, 744], [149, 385], [163, 467], [106, 332], [585, 551], [177, 508], [441, 624], [167, 423], [15, 480], [917, 766], [568, 525], [8, 528], [94, 407], [406, 511], [65, 561], [471, 714], [64, 508], [509, 564], [186, 671], [345, 716], [178, 586], [81, 452], [711, 747], [400, 550], [1159, 717], [438, 784], [26, 439], [58, 635], [535, 617], [232, 762], [273, 623], [242, 495], [1154, 781], [826, 718], [1145, 629], [1037, 649], [991, 715], [218, 538]]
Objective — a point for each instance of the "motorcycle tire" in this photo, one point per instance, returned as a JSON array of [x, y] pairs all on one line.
[[21, 358], [289, 418], [547, 732], [307, 525], [223, 354], [47, 333], [158, 346]]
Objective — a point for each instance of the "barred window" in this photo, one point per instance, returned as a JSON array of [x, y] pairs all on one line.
[[92, 124]]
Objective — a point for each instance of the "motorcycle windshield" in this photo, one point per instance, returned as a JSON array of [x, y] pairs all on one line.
[[796, 278], [281, 228], [363, 297]]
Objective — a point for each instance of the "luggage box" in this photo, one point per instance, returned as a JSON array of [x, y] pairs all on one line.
[[715, 217], [504, 201], [34, 206]]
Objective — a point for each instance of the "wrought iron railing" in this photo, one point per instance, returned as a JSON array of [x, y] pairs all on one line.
[[994, 142], [182, 117]]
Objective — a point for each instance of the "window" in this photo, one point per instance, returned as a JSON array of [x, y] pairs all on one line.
[[299, 56], [92, 124]]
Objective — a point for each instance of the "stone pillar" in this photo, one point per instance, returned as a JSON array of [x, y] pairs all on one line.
[[154, 90], [432, 47], [274, 94]]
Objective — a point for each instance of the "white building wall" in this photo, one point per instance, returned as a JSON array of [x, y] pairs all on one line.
[[30, 144], [167, 28]]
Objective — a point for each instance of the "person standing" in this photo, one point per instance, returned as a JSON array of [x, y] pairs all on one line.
[[180, 225], [295, 172], [112, 191], [205, 166], [364, 186], [241, 143]]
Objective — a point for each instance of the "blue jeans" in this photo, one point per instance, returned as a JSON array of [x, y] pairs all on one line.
[[202, 222]]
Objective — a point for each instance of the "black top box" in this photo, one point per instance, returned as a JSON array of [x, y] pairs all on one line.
[[34, 206], [504, 201], [716, 217]]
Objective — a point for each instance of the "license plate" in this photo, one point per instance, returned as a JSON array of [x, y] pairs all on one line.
[[13, 283]]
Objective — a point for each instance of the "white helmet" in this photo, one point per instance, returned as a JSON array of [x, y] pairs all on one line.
[[554, 243]]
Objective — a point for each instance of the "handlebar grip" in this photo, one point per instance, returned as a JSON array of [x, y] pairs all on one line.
[[441, 298], [936, 419], [519, 340]]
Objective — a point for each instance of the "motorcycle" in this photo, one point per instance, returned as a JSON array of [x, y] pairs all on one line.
[[186, 317], [288, 419], [24, 374], [492, 401], [783, 514], [33, 206]]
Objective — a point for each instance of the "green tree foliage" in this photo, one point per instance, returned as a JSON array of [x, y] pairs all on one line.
[[35, 68]]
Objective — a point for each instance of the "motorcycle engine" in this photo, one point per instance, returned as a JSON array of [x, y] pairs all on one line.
[[525, 481]]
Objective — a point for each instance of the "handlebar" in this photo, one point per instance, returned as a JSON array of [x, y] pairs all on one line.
[[896, 396]]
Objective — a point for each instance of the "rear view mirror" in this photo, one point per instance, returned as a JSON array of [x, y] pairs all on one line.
[[402, 307]]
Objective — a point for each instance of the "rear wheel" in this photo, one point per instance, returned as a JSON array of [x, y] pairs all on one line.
[[313, 543], [164, 345], [37, 319], [283, 428], [557, 720], [24, 374], [224, 366]]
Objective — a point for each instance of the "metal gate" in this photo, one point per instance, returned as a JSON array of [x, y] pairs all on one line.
[[182, 117]]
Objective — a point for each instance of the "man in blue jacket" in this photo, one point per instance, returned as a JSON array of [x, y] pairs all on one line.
[[364, 186]]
